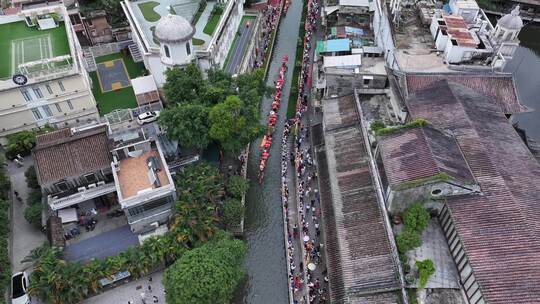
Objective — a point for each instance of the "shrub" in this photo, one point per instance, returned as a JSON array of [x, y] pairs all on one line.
[[217, 10], [32, 214], [419, 122], [416, 218], [377, 125], [5, 265], [425, 270], [237, 186], [408, 240], [233, 212], [31, 177]]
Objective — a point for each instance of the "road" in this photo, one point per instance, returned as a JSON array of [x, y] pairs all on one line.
[[239, 49]]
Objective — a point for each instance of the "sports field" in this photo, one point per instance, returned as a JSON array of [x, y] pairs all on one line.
[[24, 44]]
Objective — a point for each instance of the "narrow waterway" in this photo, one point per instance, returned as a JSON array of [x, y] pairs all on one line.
[[266, 280], [526, 69]]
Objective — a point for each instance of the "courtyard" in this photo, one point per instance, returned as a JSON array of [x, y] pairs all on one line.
[[113, 90]]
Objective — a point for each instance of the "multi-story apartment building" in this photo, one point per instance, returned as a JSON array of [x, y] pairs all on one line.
[[42, 78]]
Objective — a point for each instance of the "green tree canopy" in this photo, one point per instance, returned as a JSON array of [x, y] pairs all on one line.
[[416, 217], [237, 186], [425, 270], [206, 275], [231, 126], [184, 84], [233, 211], [187, 123], [407, 240]]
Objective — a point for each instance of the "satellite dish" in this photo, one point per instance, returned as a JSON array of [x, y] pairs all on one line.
[[20, 79]]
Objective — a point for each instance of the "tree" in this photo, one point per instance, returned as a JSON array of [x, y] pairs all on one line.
[[187, 123], [237, 186], [33, 213], [206, 275], [416, 217], [425, 270], [230, 125], [20, 143], [184, 85], [408, 240], [233, 212], [113, 8], [31, 177]]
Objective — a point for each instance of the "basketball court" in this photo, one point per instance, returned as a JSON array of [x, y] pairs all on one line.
[[30, 49], [112, 75]]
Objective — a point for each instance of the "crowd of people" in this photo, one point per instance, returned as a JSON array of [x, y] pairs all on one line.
[[272, 118], [269, 23]]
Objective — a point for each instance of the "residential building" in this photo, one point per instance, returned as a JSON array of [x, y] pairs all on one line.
[[42, 80], [172, 40], [144, 184]]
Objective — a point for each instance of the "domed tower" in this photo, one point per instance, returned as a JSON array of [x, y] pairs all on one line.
[[509, 26], [174, 34]]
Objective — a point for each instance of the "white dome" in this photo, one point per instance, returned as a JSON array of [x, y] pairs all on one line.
[[173, 28], [511, 21]]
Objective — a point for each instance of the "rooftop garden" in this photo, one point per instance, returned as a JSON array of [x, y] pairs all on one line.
[[119, 99], [213, 20], [147, 10], [21, 34]]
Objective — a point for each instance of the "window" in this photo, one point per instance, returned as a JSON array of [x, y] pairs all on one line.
[[167, 53], [62, 186], [37, 114], [26, 95], [61, 85], [47, 111], [188, 49], [49, 89], [90, 178], [58, 108], [70, 105], [37, 92], [366, 81]]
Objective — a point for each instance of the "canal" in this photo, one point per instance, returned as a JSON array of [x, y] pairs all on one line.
[[266, 280], [526, 69]]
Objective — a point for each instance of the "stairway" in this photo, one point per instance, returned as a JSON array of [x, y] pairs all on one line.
[[135, 52], [89, 60]]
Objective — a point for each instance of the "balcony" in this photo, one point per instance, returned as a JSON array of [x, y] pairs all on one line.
[[84, 194]]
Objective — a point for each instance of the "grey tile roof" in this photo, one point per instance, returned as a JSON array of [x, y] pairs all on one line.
[[498, 229], [499, 87], [359, 256], [422, 152]]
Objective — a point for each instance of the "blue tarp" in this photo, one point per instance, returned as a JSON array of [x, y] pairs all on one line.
[[354, 31], [447, 9]]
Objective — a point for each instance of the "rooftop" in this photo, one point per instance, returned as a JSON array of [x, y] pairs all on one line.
[[359, 254], [420, 153], [496, 229], [60, 154], [500, 87], [22, 44], [133, 176]]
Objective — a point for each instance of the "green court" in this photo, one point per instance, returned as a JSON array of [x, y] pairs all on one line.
[[20, 43], [30, 49]]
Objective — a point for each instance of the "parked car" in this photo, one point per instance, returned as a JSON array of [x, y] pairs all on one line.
[[147, 117], [19, 288]]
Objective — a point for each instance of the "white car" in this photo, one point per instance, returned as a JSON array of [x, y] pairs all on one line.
[[19, 288], [147, 117]]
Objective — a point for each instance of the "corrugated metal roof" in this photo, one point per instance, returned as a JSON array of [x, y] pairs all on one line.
[[498, 229], [359, 256], [499, 87], [351, 61]]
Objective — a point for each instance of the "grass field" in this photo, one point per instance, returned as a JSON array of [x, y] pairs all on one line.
[[147, 10], [120, 99], [20, 43], [212, 23]]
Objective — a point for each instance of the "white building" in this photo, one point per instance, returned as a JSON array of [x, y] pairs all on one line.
[[42, 78], [173, 40]]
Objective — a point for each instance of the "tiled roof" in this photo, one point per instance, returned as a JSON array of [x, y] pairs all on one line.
[[422, 152], [499, 87], [359, 255], [60, 154], [498, 229]]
